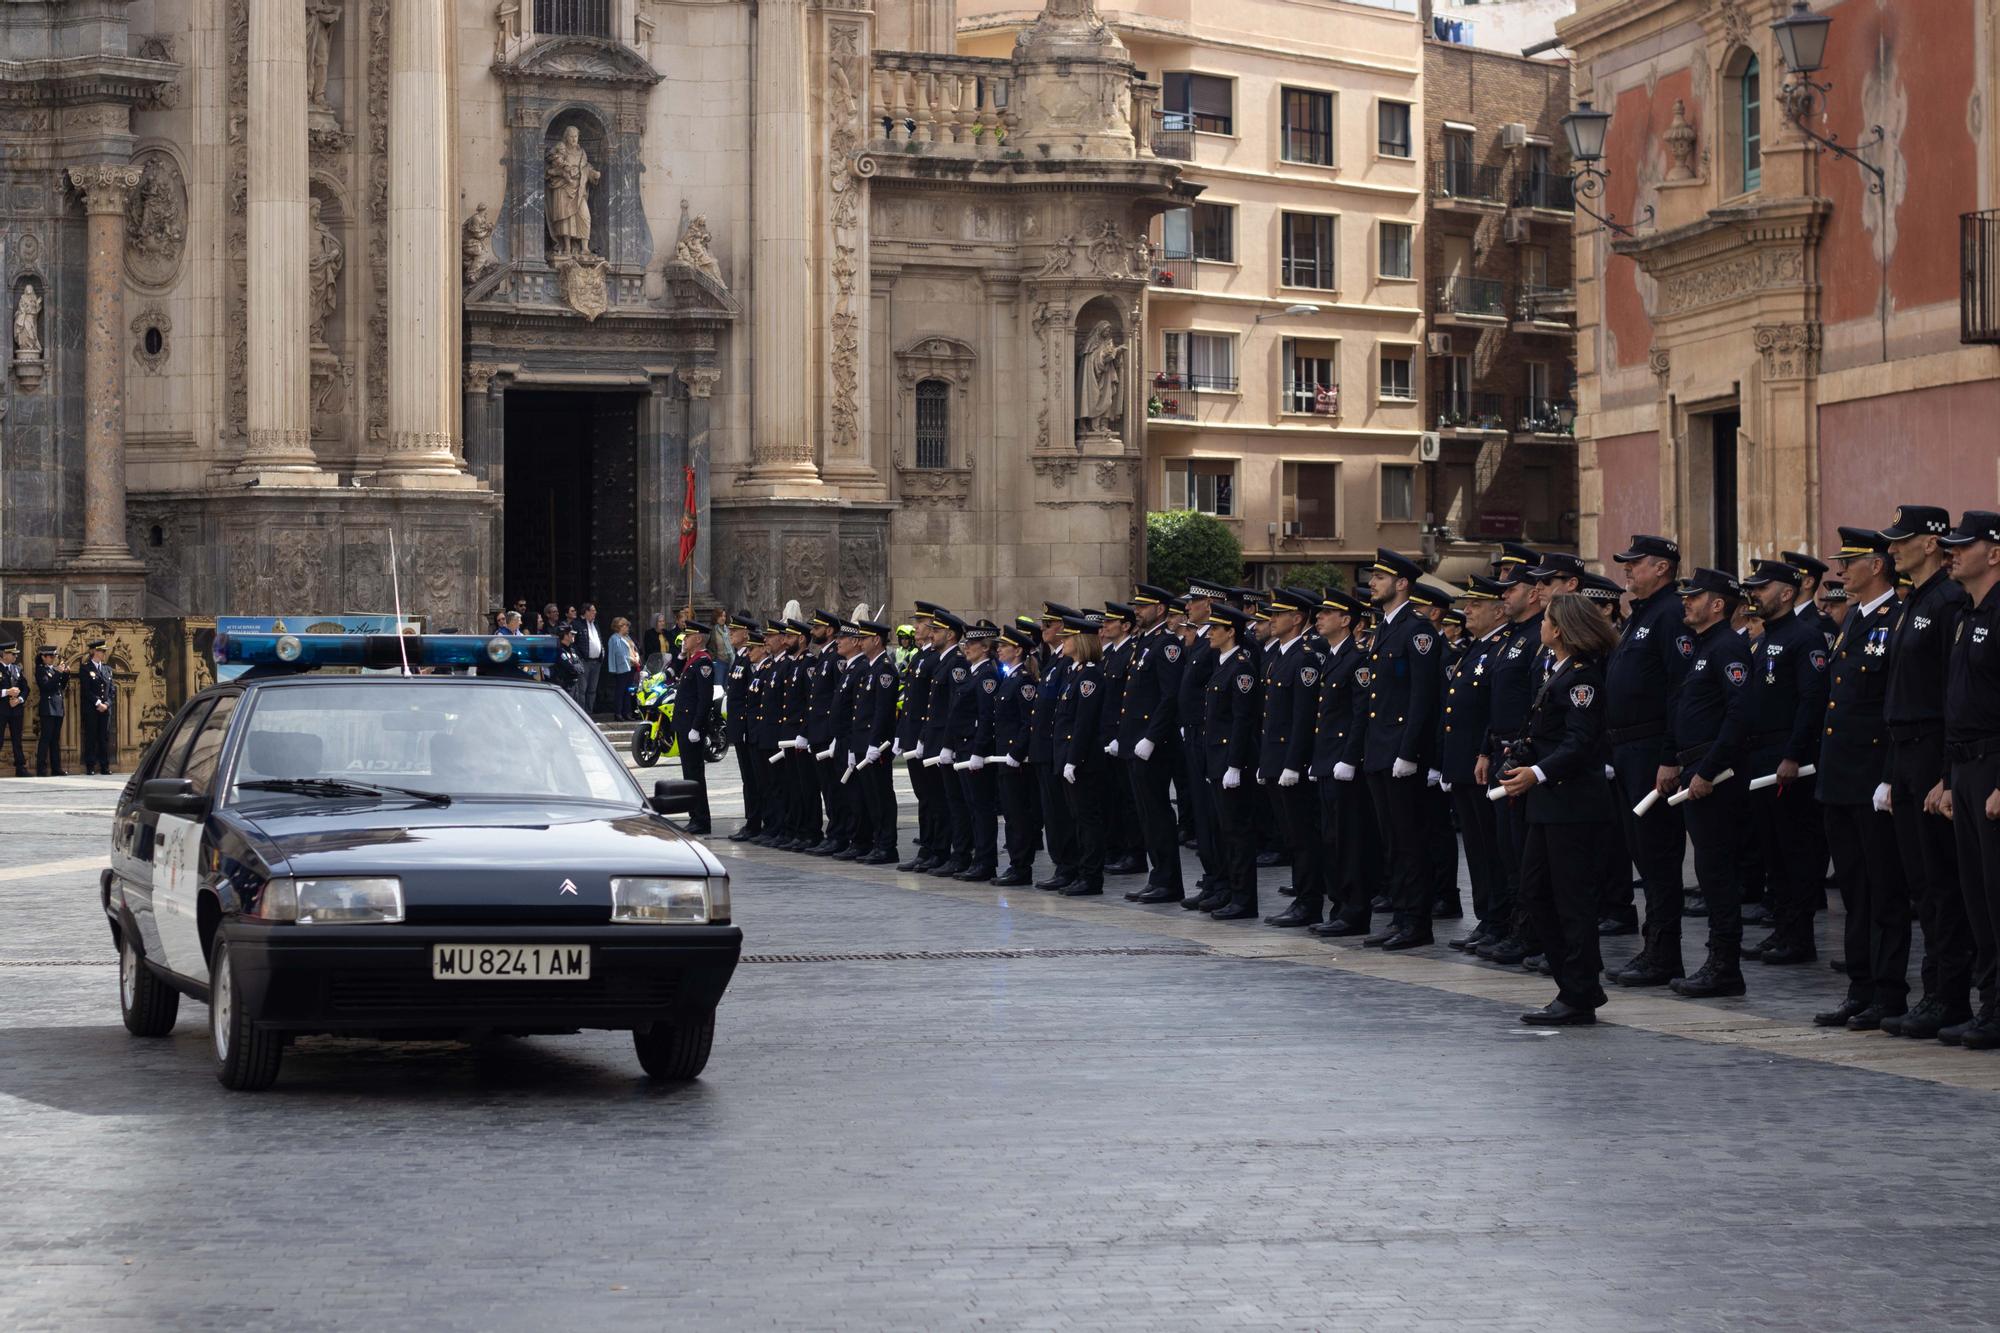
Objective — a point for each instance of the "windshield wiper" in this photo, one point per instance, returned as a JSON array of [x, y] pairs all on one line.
[[338, 787]]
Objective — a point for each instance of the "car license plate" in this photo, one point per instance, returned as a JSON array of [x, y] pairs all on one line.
[[510, 962]]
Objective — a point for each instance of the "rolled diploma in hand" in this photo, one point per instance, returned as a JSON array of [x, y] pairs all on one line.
[[1680, 797], [1771, 779], [1496, 793], [1647, 802]]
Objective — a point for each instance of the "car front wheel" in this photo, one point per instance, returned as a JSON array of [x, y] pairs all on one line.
[[149, 1005], [676, 1052], [245, 1059]]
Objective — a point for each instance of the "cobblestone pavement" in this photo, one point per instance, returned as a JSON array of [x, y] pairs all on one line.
[[1172, 1123]]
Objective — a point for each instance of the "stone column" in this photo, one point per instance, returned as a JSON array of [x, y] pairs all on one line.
[[104, 190], [701, 382], [781, 345], [276, 227], [423, 255]]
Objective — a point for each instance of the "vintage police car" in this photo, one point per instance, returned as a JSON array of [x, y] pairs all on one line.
[[407, 856]]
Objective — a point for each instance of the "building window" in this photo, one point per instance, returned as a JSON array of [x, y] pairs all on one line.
[[1308, 257], [933, 424], [1750, 108], [1392, 129], [1396, 261], [1535, 267], [1311, 505], [1457, 176], [1198, 102], [573, 18], [1207, 485], [1312, 376], [1206, 231], [1538, 503], [1397, 381], [1308, 127], [1200, 361], [1399, 493]]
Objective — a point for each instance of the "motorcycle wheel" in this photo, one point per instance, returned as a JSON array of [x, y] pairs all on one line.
[[645, 747], [718, 746]]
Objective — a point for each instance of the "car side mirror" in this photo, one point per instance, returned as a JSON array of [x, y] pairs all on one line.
[[172, 796], [671, 796]]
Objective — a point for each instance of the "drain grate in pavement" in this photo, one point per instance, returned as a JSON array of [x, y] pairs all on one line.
[[913, 956], [60, 962]]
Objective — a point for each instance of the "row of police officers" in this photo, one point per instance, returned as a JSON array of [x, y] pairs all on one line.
[[47, 694]]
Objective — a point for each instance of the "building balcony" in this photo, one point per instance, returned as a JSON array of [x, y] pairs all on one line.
[[1174, 271], [1469, 301], [1173, 135], [1545, 192], [1178, 395], [1465, 184], [1461, 413], [1979, 277], [948, 105], [1542, 419], [1544, 309]]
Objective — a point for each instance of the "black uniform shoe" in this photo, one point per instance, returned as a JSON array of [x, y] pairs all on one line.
[[1757, 914], [1289, 891], [1055, 881], [948, 869], [1507, 952], [1209, 901], [1781, 955], [1382, 904], [1715, 979], [1015, 877], [1079, 889], [1267, 859], [1192, 903], [1922, 1021], [1643, 971], [1126, 865], [879, 859], [1132, 896], [1696, 905], [1380, 937], [1537, 962], [744, 834], [976, 875], [1984, 1034], [1466, 943], [1756, 950], [1413, 938], [1845, 1015], [1560, 1015], [1232, 912], [1447, 909], [1154, 897], [1294, 915], [1868, 1020], [1837, 965], [1338, 928], [850, 853], [1612, 925]]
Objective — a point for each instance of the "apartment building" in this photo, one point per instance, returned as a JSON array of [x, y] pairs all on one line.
[[1283, 334]]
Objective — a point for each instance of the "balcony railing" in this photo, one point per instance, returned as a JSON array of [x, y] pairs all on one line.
[[1173, 268], [1536, 304], [1545, 190], [1467, 180], [1541, 416], [1173, 135], [1454, 409], [1979, 277], [955, 104], [580, 18], [1175, 395], [1478, 297]]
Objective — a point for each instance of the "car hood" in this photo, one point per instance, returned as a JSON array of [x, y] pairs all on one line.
[[474, 861]]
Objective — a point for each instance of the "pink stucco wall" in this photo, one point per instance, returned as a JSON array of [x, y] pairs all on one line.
[[1630, 468], [1929, 446]]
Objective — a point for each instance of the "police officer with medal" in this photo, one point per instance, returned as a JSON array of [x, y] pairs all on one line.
[[969, 736], [951, 673], [1015, 705], [822, 727], [1972, 746], [918, 676], [1196, 667], [1127, 854], [1079, 752], [1231, 731], [1149, 736], [1404, 671], [1345, 819], [694, 718], [1291, 705], [13, 703], [871, 737], [847, 831]]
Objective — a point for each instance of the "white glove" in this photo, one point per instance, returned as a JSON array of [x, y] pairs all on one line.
[[1445, 787], [1610, 773], [1433, 779], [1069, 774], [1232, 779], [1260, 780], [1882, 797], [801, 743], [1402, 768], [976, 763], [1144, 749], [946, 756], [874, 753], [1289, 778], [1343, 772], [1112, 749], [895, 749], [693, 735], [918, 753], [1012, 762]]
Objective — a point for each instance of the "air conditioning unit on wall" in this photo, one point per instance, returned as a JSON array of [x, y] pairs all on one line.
[[1514, 135], [1440, 344], [1515, 230], [1430, 447]]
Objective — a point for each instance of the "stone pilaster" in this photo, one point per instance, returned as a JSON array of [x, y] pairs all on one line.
[[423, 255], [782, 353], [276, 228], [104, 190], [701, 382]]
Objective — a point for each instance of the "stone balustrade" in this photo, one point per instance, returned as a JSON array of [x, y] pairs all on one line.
[[946, 104]]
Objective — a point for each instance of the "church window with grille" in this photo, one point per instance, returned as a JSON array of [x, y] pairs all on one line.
[[933, 424]]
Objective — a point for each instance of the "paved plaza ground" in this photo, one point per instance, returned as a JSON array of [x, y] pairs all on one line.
[[943, 1106]]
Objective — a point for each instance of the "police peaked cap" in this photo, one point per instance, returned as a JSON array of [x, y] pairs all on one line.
[[928, 610], [1645, 544], [1291, 599], [1710, 580], [1214, 592], [1771, 571], [1429, 594], [1978, 525], [696, 627], [1479, 588], [947, 620], [1804, 563], [1857, 542], [1339, 599], [46, 650], [1151, 595], [1079, 625], [1513, 553], [1020, 638], [982, 632], [1454, 616], [1119, 611], [1834, 590], [826, 618], [1557, 565], [1057, 611], [1229, 616], [874, 627], [1918, 521], [1599, 589], [1397, 564]]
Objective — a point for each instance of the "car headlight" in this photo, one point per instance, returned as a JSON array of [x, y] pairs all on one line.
[[682, 902], [332, 902]]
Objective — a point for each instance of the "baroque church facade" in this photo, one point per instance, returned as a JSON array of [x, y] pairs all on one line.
[[300, 287]]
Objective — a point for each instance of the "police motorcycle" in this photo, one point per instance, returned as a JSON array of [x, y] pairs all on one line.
[[655, 740]]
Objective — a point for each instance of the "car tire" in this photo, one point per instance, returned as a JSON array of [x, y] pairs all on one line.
[[676, 1052], [246, 1060], [148, 1004]]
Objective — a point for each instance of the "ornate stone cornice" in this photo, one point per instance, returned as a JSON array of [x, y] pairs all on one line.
[[104, 188], [1729, 254], [78, 80], [585, 60], [701, 380]]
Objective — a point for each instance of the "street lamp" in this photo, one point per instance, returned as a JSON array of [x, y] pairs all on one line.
[[1585, 128], [1566, 415], [1801, 38], [1297, 309]]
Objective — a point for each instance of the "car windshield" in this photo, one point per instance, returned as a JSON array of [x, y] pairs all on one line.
[[464, 741]]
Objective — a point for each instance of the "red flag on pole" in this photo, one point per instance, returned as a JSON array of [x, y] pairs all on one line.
[[688, 524]]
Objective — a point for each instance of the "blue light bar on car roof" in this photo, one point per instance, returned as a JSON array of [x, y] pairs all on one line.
[[382, 651]]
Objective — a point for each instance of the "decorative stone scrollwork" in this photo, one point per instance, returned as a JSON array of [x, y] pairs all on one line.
[[1659, 360], [1057, 470], [806, 567], [150, 346], [701, 381], [1679, 140], [1790, 351], [479, 376], [156, 222], [476, 246], [1730, 279]]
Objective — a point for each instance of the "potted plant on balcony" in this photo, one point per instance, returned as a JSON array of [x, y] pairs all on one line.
[[1166, 380], [1154, 406]]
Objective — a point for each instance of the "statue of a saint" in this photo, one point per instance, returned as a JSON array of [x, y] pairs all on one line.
[[326, 258], [28, 324], [693, 249], [569, 177], [477, 246], [1100, 384], [321, 15]]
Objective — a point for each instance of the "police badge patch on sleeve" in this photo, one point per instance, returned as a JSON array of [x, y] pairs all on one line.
[[1581, 695], [1243, 684], [1086, 687], [1736, 672], [958, 675], [1307, 676], [1028, 693], [1422, 642], [991, 685], [1686, 645], [885, 681], [1173, 651], [1361, 676], [1818, 659]]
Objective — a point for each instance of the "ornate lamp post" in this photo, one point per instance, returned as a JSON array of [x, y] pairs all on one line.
[[1801, 38], [1585, 129]]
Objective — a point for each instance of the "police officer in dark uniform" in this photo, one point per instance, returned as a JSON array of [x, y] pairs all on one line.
[[1079, 753], [1710, 713], [694, 718], [1057, 828], [795, 671], [98, 696], [1404, 671], [1914, 709], [1788, 684], [1196, 667], [1439, 839], [917, 677], [1291, 706], [822, 728], [763, 732], [969, 733], [1345, 818], [1149, 736], [13, 703], [1015, 706], [847, 824], [1468, 703], [871, 737], [1642, 681], [1972, 745], [51, 686], [1126, 841], [736, 697], [1812, 574], [947, 676], [1231, 732], [1514, 674], [1860, 831]]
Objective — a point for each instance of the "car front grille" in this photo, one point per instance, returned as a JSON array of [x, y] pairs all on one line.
[[383, 992]]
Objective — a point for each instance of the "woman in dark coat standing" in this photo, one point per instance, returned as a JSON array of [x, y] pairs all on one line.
[[1079, 753], [1571, 809]]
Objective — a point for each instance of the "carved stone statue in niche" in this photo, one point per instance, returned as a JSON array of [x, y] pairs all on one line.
[[321, 16], [1100, 382], [155, 223], [477, 246], [569, 176], [326, 258], [693, 248], [28, 324]]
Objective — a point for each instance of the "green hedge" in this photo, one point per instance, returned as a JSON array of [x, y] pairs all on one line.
[[1183, 545]]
